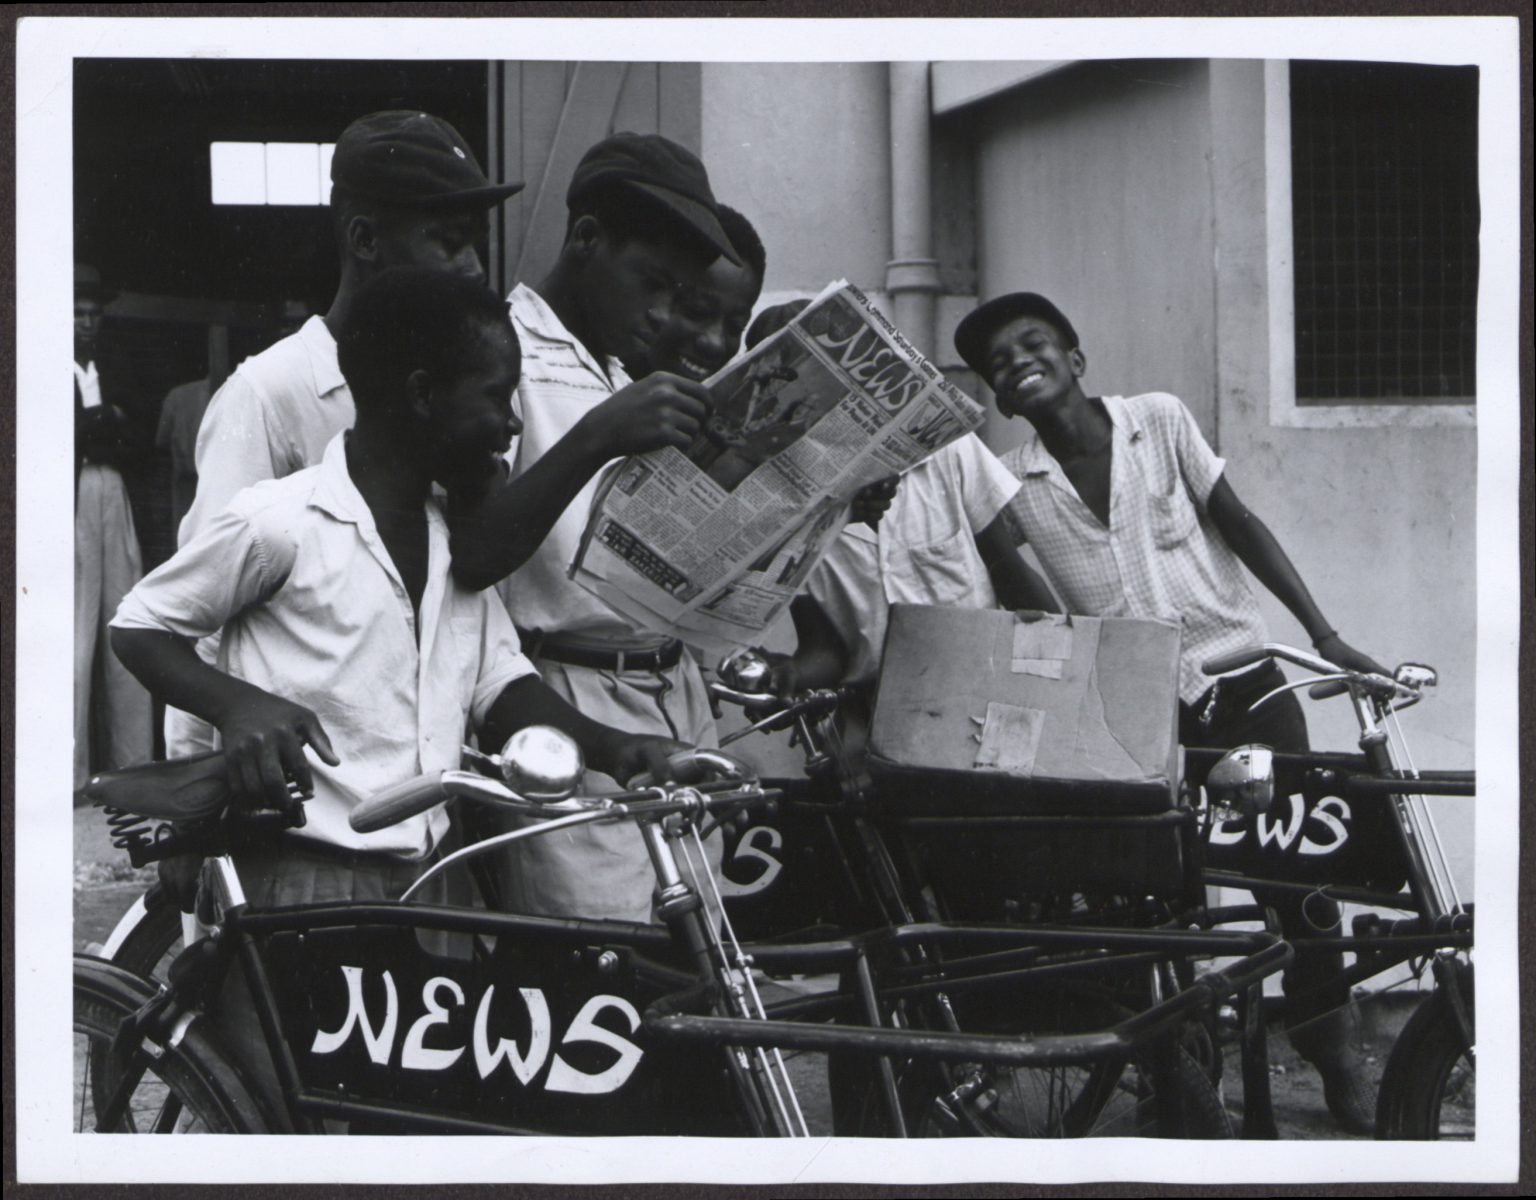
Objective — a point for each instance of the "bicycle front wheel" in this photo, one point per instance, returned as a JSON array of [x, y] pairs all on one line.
[[186, 1088], [1429, 1088]]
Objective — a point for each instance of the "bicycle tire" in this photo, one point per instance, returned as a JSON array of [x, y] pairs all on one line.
[[1428, 1090], [1130, 1097], [188, 1087]]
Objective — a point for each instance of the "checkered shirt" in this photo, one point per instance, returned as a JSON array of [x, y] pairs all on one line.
[[1161, 556]]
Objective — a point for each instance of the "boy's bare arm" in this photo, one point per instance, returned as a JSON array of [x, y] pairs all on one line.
[[820, 658], [497, 531], [263, 735], [1016, 585], [1253, 543]]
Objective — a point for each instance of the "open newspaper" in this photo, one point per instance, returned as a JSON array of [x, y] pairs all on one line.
[[711, 544]]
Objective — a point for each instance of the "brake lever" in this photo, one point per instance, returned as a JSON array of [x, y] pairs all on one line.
[[772, 723]]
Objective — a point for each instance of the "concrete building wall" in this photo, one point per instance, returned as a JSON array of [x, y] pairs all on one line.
[[1091, 189], [803, 150]]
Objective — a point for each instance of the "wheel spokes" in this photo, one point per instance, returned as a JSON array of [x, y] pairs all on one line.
[[168, 1116]]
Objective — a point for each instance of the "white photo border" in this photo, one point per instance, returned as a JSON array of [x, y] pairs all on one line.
[[47, 1152]]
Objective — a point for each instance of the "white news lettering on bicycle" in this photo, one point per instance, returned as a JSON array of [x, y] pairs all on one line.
[[415, 1055], [1331, 812]]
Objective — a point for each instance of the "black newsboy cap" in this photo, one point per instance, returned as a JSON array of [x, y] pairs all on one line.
[[661, 169], [974, 330], [414, 160]]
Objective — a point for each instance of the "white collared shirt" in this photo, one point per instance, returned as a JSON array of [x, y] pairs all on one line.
[[275, 415], [313, 610], [561, 382], [1160, 555], [89, 384], [924, 551]]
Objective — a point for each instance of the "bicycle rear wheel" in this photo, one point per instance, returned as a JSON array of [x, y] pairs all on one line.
[[186, 1088], [148, 937], [1429, 1088]]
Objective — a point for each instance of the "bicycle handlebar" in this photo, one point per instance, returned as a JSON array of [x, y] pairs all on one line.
[[1235, 659], [1339, 681], [396, 804], [414, 796], [721, 691], [783, 713], [696, 765]]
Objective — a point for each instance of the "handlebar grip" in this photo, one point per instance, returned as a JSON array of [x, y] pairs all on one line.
[[698, 765], [1328, 689], [395, 804], [1234, 659]]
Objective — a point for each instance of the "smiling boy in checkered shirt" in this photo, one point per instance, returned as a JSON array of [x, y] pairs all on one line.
[[1131, 515]]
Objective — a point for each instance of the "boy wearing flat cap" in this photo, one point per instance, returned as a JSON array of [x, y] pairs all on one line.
[[642, 226], [1131, 515], [405, 191]]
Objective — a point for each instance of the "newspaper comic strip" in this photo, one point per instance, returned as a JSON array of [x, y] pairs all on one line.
[[715, 542]]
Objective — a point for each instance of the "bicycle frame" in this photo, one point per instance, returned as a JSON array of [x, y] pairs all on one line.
[[334, 988], [876, 889], [1378, 837]]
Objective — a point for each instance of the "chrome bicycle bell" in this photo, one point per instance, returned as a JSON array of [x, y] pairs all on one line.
[[1416, 676], [541, 763], [1242, 783], [746, 670]]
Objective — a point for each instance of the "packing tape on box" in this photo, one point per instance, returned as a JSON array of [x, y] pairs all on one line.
[[1041, 646]]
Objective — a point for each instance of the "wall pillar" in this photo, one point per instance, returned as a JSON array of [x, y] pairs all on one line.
[[912, 274]]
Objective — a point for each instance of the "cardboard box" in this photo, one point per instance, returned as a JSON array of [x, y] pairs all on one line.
[[1056, 712], [1023, 753]]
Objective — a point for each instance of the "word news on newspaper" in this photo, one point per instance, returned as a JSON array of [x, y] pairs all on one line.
[[711, 544]]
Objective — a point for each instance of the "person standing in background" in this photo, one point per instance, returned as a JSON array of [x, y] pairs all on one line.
[[406, 190], [181, 413], [109, 703]]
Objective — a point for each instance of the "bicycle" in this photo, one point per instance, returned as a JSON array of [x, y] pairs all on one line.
[[599, 1037], [835, 867], [1357, 829]]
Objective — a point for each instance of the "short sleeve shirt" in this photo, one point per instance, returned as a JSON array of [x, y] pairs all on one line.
[[313, 610], [275, 415], [1160, 556], [924, 551], [561, 382]]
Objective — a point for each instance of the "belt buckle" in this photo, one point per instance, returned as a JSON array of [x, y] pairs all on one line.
[[619, 657]]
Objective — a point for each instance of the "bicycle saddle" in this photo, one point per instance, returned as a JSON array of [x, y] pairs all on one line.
[[179, 789]]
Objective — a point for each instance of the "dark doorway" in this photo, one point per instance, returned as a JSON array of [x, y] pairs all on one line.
[[185, 268]]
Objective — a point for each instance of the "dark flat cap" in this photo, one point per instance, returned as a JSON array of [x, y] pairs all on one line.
[[88, 282], [661, 169], [976, 328], [414, 160]]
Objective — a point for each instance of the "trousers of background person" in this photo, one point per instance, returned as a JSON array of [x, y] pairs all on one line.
[[107, 565]]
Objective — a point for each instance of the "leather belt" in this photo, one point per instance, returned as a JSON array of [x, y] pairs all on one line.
[[574, 654]]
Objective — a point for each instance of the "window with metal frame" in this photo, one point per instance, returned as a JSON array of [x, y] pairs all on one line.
[[1385, 220]]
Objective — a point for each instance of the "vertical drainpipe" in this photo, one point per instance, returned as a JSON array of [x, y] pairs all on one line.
[[912, 275]]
